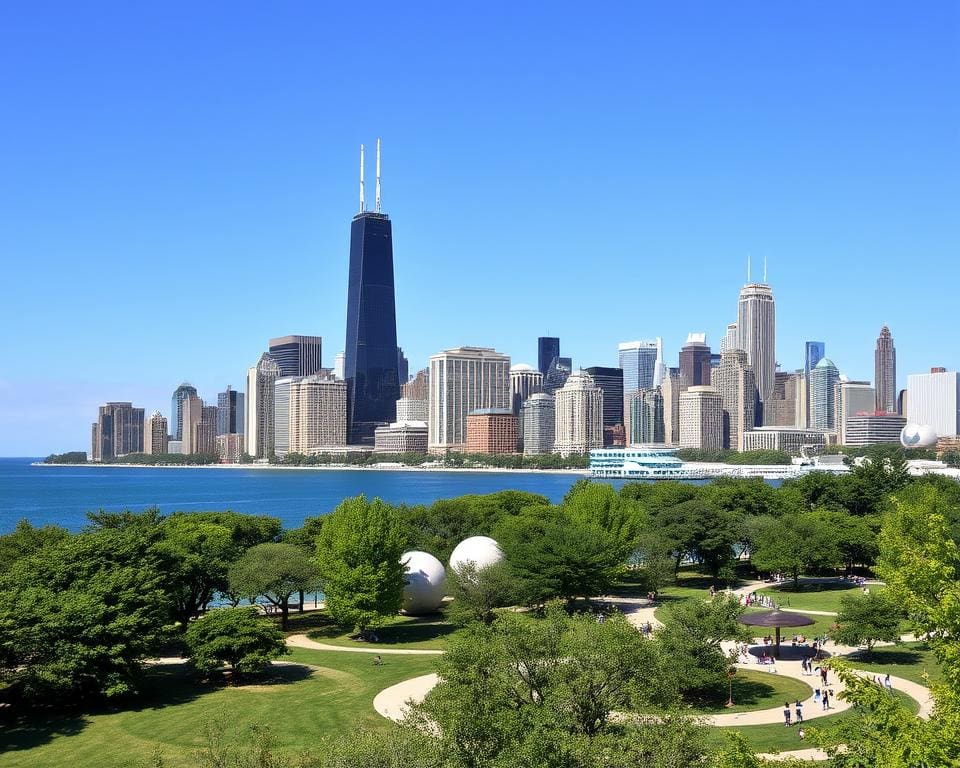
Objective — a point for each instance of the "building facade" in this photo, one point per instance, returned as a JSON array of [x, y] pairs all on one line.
[[885, 372], [281, 415], [539, 425], [852, 398], [461, 381], [548, 350], [695, 368], [823, 404], [796, 442], [409, 409], [874, 429], [737, 387], [176, 409], [638, 361], [230, 448], [118, 431], [787, 406], [317, 414], [191, 411], [401, 437], [756, 334], [557, 373], [230, 412], [418, 388], [701, 419], [670, 389], [259, 423], [933, 399], [578, 410], [646, 417], [610, 381], [297, 355], [524, 381], [492, 430]]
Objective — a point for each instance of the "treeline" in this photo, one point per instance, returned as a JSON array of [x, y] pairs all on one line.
[[70, 457], [145, 459], [734, 457]]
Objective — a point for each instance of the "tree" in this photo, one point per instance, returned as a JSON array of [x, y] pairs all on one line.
[[795, 543], [553, 555], [79, 616], [598, 503], [26, 540], [359, 551], [691, 640], [478, 591], [865, 619], [696, 528], [274, 571], [237, 637]]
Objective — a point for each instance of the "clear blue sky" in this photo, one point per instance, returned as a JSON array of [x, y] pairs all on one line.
[[177, 182]]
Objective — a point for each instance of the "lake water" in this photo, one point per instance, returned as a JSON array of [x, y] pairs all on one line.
[[63, 494]]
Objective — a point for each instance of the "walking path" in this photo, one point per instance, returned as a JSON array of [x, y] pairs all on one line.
[[302, 641]]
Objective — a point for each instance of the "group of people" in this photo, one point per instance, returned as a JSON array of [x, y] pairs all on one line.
[[764, 601], [798, 716]]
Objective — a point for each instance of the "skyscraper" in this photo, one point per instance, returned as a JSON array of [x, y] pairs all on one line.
[[823, 405], [735, 383], [180, 394], [317, 414], [155, 435], [539, 426], [297, 355], [461, 381], [338, 364], [118, 431], [646, 417], [701, 419], [934, 399], [230, 411], [885, 372], [756, 334], [403, 367], [548, 350], [852, 399], [557, 373], [814, 352], [730, 340], [695, 361], [671, 406], [578, 410], [370, 360], [524, 381], [610, 381], [260, 405], [638, 361]]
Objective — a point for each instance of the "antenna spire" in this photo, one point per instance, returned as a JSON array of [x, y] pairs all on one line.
[[378, 175], [748, 255], [764, 270], [362, 202]]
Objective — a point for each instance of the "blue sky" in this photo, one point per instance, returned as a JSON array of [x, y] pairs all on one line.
[[177, 182]]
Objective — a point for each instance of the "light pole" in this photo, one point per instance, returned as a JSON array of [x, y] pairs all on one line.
[[731, 673]]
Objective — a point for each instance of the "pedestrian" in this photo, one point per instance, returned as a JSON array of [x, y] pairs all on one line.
[[823, 674], [786, 713], [801, 733], [886, 683], [816, 696], [798, 711], [826, 700]]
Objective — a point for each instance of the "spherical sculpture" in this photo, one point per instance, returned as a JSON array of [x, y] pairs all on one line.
[[480, 550], [918, 436], [425, 578]]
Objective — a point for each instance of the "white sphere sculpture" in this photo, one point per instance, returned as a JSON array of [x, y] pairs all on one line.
[[480, 550], [918, 436], [424, 582]]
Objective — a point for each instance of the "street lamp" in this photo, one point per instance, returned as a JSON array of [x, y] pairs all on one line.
[[731, 673]]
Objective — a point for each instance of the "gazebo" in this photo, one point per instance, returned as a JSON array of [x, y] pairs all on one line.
[[775, 619]]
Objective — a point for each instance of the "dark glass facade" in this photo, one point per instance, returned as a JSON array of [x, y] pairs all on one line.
[[230, 412], [370, 354], [557, 374], [548, 350], [695, 364], [297, 355], [610, 381]]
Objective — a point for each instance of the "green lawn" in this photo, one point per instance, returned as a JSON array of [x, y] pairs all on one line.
[[301, 704], [821, 626], [909, 661], [752, 690], [814, 597], [427, 633]]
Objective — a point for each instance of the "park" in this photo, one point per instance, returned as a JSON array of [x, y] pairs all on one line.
[[668, 622]]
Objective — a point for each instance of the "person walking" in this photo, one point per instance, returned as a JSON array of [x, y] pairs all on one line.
[[786, 713], [798, 711], [887, 684], [826, 699], [823, 674]]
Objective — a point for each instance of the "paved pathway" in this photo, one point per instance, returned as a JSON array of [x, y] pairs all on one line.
[[302, 641]]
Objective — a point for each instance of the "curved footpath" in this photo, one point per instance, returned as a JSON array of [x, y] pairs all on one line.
[[302, 641]]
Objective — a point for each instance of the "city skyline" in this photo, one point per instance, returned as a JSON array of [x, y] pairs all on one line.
[[863, 170]]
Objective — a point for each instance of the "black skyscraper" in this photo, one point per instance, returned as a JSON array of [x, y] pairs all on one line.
[[548, 350], [370, 359]]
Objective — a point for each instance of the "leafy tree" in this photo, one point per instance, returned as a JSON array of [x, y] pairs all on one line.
[[237, 637], [698, 529], [80, 615], [553, 555], [70, 457], [274, 571], [796, 543], [397, 747], [26, 540], [245, 530], [865, 619], [691, 641], [951, 458], [478, 591], [359, 551], [598, 503]]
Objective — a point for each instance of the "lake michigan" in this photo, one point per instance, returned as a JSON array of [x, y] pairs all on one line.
[[62, 495]]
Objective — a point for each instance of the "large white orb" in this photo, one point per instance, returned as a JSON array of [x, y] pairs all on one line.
[[480, 550], [918, 436], [425, 578]]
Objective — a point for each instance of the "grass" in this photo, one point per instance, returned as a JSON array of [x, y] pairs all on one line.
[[778, 738], [333, 695], [909, 661], [424, 633], [814, 596], [751, 691]]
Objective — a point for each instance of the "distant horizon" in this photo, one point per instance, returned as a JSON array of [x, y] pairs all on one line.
[[177, 194]]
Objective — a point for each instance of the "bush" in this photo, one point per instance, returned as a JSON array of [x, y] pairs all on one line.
[[237, 637]]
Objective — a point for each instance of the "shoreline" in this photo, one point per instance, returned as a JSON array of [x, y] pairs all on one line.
[[328, 468]]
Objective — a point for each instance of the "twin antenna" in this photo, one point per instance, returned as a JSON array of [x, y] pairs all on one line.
[[748, 256], [363, 204]]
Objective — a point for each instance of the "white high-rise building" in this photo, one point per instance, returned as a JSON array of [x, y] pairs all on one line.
[[259, 423], [525, 380], [281, 415], [338, 363], [730, 339], [933, 399], [411, 409], [318, 414], [756, 334], [734, 381], [461, 381], [701, 419], [853, 398], [539, 424], [578, 411]]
